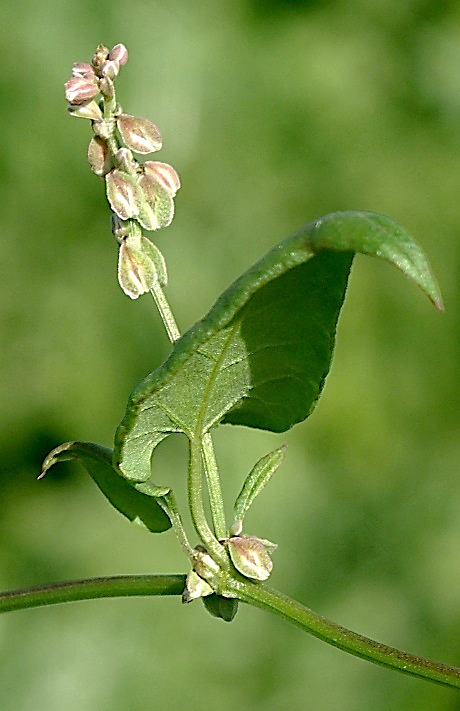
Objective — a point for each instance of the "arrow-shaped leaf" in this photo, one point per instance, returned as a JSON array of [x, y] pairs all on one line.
[[138, 505], [261, 355]]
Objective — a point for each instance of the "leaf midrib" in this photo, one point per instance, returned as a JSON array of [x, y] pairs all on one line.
[[199, 429]]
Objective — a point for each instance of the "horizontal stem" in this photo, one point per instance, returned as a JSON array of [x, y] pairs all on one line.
[[344, 639], [90, 589], [252, 593]]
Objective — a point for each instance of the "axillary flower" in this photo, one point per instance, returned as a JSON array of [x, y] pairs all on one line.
[[140, 195]]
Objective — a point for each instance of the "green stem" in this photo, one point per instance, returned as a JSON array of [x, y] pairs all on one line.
[[207, 537], [169, 505], [108, 108], [195, 501], [252, 593], [344, 639], [214, 488], [209, 460], [166, 314], [90, 589], [109, 105]]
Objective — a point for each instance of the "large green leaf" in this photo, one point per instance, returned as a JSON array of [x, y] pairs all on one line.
[[138, 505], [260, 356]]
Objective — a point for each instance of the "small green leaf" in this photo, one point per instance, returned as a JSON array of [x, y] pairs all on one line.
[[257, 479], [136, 503], [261, 355]]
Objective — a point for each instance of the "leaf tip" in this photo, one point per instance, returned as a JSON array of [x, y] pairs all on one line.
[[439, 304]]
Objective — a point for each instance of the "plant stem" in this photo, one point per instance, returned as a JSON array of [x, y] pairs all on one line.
[[166, 314], [90, 589], [338, 636], [108, 108], [169, 505], [195, 502], [210, 465], [252, 593], [214, 488]]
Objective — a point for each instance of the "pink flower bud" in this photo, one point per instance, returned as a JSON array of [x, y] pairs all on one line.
[[79, 90], [136, 271], [123, 193], [250, 556], [109, 69], [99, 156], [82, 69], [139, 134], [119, 53], [99, 56], [164, 174]]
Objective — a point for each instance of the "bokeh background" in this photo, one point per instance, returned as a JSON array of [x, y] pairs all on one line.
[[274, 113]]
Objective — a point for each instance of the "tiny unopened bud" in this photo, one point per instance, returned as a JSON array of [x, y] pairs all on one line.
[[139, 134], [80, 90], [99, 156], [125, 160], [236, 527], [99, 56], [119, 53], [109, 69], [123, 193], [103, 128], [164, 174], [250, 557], [106, 87], [195, 587], [120, 228], [82, 69], [206, 567], [89, 111]]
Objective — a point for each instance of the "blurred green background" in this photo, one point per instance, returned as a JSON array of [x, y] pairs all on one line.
[[273, 113]]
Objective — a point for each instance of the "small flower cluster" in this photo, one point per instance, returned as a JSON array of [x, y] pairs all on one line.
[[251, 556], [88, 80], [140, 195]]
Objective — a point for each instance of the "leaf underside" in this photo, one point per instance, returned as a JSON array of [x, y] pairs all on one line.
[[261, 355], [138, 506]]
